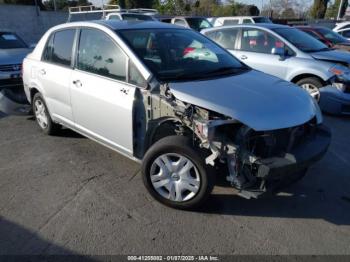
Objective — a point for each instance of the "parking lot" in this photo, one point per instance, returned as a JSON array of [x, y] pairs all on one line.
[[70, 195]]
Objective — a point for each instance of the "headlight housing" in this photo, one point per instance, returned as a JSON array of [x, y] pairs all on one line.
[[340, 70], [341, 79]]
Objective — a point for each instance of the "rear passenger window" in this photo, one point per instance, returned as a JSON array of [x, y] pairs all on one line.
[[62, 47], [98, 54], [47, 54], [226, 38]]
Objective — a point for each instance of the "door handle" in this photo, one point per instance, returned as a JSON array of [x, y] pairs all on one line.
[[124, 90], [77, 83], [244, 57], [42, 72]]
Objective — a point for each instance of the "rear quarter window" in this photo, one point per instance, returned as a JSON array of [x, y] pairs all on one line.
[[59, 47]]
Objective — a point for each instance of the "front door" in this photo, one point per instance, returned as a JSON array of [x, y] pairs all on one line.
[[255, 50], [102, 100]]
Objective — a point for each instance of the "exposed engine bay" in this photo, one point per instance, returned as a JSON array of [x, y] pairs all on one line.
[[250, 160]]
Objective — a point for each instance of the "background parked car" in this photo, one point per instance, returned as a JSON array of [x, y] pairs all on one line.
[[327, 36], [12, 52], [129, 16], [234, 20], [341, 26], [293, 55], [196, 23]]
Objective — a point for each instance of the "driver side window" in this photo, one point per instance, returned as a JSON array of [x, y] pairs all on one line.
[[99, 54], [259, 41]]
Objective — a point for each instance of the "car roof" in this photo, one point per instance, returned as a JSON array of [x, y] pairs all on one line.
[[260, 25], [244, 16], [190, 16], [116, 25], [311, 27]]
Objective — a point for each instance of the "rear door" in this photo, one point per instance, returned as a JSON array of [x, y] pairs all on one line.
[[255, 50], [227, 38], [102, 100], [54, 73]]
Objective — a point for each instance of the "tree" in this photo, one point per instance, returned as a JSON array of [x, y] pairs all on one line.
[[249, 10], [134, 3], [64, 4], [281, 8], [319, 8], [288, 13], [332, 10], [25, 2]]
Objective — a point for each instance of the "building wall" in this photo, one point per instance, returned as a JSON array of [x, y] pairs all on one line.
[[27, 22]]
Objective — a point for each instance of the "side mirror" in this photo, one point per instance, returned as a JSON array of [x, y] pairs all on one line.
[[278, 51]]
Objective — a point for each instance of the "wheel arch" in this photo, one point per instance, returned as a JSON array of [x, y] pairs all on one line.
[[296, 78], [160, 128]]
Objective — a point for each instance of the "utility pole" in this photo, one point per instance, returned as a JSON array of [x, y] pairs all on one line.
[[54, 5], [339, 10]]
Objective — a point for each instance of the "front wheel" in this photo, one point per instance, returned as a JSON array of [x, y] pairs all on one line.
[[175, 174], [312, 85]]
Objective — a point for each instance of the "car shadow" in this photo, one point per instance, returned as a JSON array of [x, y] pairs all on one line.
[[17, 240], [2, 115], [63, 132], [68, 133], [293, 202]]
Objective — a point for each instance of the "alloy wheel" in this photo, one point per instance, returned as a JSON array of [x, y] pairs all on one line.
[[312, 90], [40, 114]]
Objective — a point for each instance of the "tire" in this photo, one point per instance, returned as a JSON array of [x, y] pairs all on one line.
[[314, 84], [42, 116], [198, 178]]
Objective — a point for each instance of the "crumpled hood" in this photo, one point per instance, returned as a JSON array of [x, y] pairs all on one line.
[[258, 100], [13, 56], [332, 55]]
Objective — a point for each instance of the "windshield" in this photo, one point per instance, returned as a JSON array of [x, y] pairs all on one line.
[[332, 36], [10, 40], [176, 55], [136, 17], [198, 23], [301, 40], [261, 20]]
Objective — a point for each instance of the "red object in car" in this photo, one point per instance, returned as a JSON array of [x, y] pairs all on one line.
[[188, 50]]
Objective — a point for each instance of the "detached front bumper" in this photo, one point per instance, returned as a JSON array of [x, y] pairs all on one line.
[[334, 101], [298, 159]]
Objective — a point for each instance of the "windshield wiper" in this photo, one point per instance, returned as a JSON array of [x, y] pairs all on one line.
[[203, 75], [226, 70]]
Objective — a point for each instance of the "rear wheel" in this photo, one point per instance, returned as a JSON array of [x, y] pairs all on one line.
[[312, 85], [42, 115], [175, 174]]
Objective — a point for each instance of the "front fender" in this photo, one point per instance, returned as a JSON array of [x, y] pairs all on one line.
[[325, 75]]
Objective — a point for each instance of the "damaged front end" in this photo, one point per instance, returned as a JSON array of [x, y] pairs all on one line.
[[253, 162], [261, 161]]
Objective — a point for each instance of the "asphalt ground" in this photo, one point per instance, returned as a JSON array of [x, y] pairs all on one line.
[[69, 195]]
